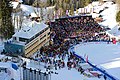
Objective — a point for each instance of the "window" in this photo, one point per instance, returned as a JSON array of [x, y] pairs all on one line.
[[14, 38], [46, 28], [42, 37], [23, 39], [49, 33]]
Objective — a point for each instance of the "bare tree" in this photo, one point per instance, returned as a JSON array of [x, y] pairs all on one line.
[[118, 4], [39, 5]]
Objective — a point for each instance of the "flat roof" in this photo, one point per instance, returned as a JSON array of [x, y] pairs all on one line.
[[30, 29]]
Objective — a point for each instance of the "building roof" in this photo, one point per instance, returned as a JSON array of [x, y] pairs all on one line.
[[30, 29]]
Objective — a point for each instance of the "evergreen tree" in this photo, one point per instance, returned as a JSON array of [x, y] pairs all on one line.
[[118, 4], [49, 2], [72, 9], [0, 14], [118, 17], [39, 4], [6, 28], [82, 3], [67, 1], [77, 4], [118, 13], [53, 2], [87, 2], [0, 9]]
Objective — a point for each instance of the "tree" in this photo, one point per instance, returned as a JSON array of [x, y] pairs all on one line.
[[39, 4], [0, 9], [87, 2], [48, 2], [6, 28], [72, 10], [118, 17], [67, 1], [118, 4], [82, 3], [118, 13], [77, 4]]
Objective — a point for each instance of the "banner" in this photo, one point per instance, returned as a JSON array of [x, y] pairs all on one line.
[[14, 66]]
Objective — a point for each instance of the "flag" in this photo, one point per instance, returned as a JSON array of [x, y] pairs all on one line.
[[87, 59], [66, 12]]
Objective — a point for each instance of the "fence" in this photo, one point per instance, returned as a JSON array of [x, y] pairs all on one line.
[[109, 77], [29, 74]]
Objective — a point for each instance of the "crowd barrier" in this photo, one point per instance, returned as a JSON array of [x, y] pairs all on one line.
[[29, 74], [109, 77]]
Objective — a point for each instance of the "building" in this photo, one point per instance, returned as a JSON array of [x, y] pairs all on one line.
[[29, 39]]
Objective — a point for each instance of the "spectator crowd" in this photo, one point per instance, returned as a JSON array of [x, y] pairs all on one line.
[[66, 32]]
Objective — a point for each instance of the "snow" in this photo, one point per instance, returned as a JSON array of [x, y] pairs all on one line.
[[109, 63], [15, 4], [2, 56], [27, 9], [108, 17], [65, 74], [32, 10], [102, 54], [73, 74], [115, 31], [21, 1], [15, 74]]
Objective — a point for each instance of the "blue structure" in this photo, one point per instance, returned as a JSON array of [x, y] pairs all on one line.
[[14, 66], [13, 48]]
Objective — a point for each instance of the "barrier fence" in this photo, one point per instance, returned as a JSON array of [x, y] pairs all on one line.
[[29, 74], [109, 77]]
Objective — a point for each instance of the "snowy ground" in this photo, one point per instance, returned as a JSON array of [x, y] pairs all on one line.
[[106, 56], [11, 73], [65, 74], [73, 74], [97, 53]]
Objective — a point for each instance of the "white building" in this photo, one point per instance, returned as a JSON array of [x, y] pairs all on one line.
[[29, 39]]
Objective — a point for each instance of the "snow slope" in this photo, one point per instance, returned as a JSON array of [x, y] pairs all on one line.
[[106, 56], [65, 74], [11, 73]]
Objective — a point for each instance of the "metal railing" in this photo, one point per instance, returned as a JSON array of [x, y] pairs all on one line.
[[29, 74]]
